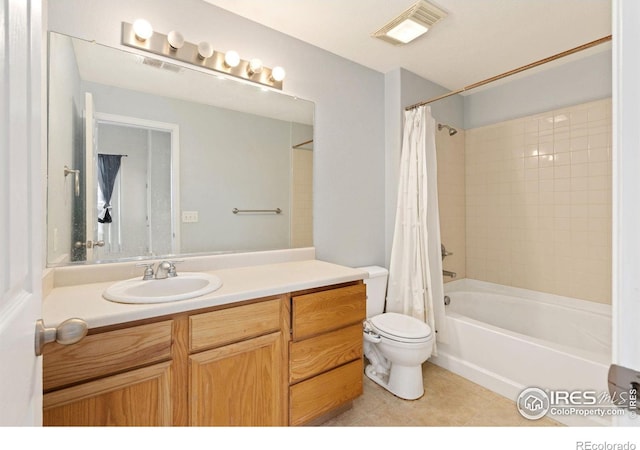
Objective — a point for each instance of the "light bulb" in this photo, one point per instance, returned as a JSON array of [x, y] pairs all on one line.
[[255, 66], [278, 73], [142, 29], [205, 50], [175, 39], [231, 58]]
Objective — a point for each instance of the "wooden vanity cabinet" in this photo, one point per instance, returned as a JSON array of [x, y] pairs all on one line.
[[325, 354], [222, 366], [282, 360]]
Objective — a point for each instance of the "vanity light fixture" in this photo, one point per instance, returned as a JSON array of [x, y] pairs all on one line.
[[141, 36], [411, 24], [142, 29], [231, 59], [175, 40], [278, 73], [255, 66], [205, 50]]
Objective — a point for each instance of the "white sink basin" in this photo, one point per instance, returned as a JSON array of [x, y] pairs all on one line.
[[184, 286]]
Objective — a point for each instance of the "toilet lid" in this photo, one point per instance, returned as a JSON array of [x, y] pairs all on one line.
[[401, 327]]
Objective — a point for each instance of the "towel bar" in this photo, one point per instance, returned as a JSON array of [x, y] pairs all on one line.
[[76, 183], [275, 211]]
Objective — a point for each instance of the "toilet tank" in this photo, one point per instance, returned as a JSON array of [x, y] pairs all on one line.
[[376, 289]]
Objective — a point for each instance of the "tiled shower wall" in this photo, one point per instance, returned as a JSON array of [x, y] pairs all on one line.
[[451, 200], [538, 202]]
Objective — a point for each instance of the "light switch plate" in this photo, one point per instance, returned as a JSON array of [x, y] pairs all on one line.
[[189, 216]]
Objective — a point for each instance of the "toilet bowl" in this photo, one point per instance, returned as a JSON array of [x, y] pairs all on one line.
[[395, 344]]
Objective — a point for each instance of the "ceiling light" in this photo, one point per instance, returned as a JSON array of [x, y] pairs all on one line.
[[406, 31], [142, 29], [412, 23]]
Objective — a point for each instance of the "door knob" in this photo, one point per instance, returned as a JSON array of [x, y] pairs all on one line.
[[68, 332]]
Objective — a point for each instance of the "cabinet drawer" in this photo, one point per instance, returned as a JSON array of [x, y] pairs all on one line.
[[318, 395], [328, 310], [324, 352], [102, 354], [222, 327]]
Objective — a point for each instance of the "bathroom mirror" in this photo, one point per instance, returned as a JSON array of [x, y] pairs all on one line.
[[150, 159]]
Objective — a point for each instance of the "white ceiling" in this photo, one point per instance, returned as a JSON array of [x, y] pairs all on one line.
[[477, 40]]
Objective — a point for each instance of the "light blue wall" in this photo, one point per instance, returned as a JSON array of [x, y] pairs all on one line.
[[228, 159], [415, 89], [579, 81], [349, 149]]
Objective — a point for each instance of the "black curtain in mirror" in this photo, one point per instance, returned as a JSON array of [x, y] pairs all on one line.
[[108, 167]]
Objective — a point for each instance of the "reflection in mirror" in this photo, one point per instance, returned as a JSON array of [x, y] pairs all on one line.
[[164, 154], [135, 185]]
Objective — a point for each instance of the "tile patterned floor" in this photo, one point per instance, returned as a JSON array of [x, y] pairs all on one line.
[[449, 400]]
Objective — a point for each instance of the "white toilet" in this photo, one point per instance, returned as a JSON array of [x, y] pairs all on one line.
[[395, 344]]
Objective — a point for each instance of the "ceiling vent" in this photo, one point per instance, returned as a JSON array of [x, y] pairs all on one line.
[[411, 24], [161, 65]]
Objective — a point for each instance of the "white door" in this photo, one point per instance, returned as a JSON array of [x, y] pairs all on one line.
[[626, 189], [90, 193], [21, 221]]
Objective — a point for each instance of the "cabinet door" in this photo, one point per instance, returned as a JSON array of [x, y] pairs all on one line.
[[240, 384], [140, 397]]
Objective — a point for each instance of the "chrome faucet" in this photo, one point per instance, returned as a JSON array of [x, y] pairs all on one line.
[[163, 269], [166, 269], [448, 273], [148, 271], [444, 252]]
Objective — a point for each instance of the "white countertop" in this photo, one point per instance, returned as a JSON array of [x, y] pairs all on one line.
[[85, 301]]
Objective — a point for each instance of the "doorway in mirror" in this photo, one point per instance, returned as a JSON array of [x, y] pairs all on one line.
[[133, 214]]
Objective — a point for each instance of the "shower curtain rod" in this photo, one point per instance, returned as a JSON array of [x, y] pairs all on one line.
[[514, 71], [303, 143]]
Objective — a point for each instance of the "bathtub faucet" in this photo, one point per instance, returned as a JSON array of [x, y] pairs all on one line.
[[448, 273]]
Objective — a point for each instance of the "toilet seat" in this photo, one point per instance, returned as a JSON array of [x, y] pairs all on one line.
[[400, 328]]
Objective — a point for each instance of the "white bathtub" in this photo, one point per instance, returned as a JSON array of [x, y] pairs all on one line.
[[507, 339]]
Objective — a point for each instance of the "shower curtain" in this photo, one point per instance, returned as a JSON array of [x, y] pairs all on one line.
[[415, 272]]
